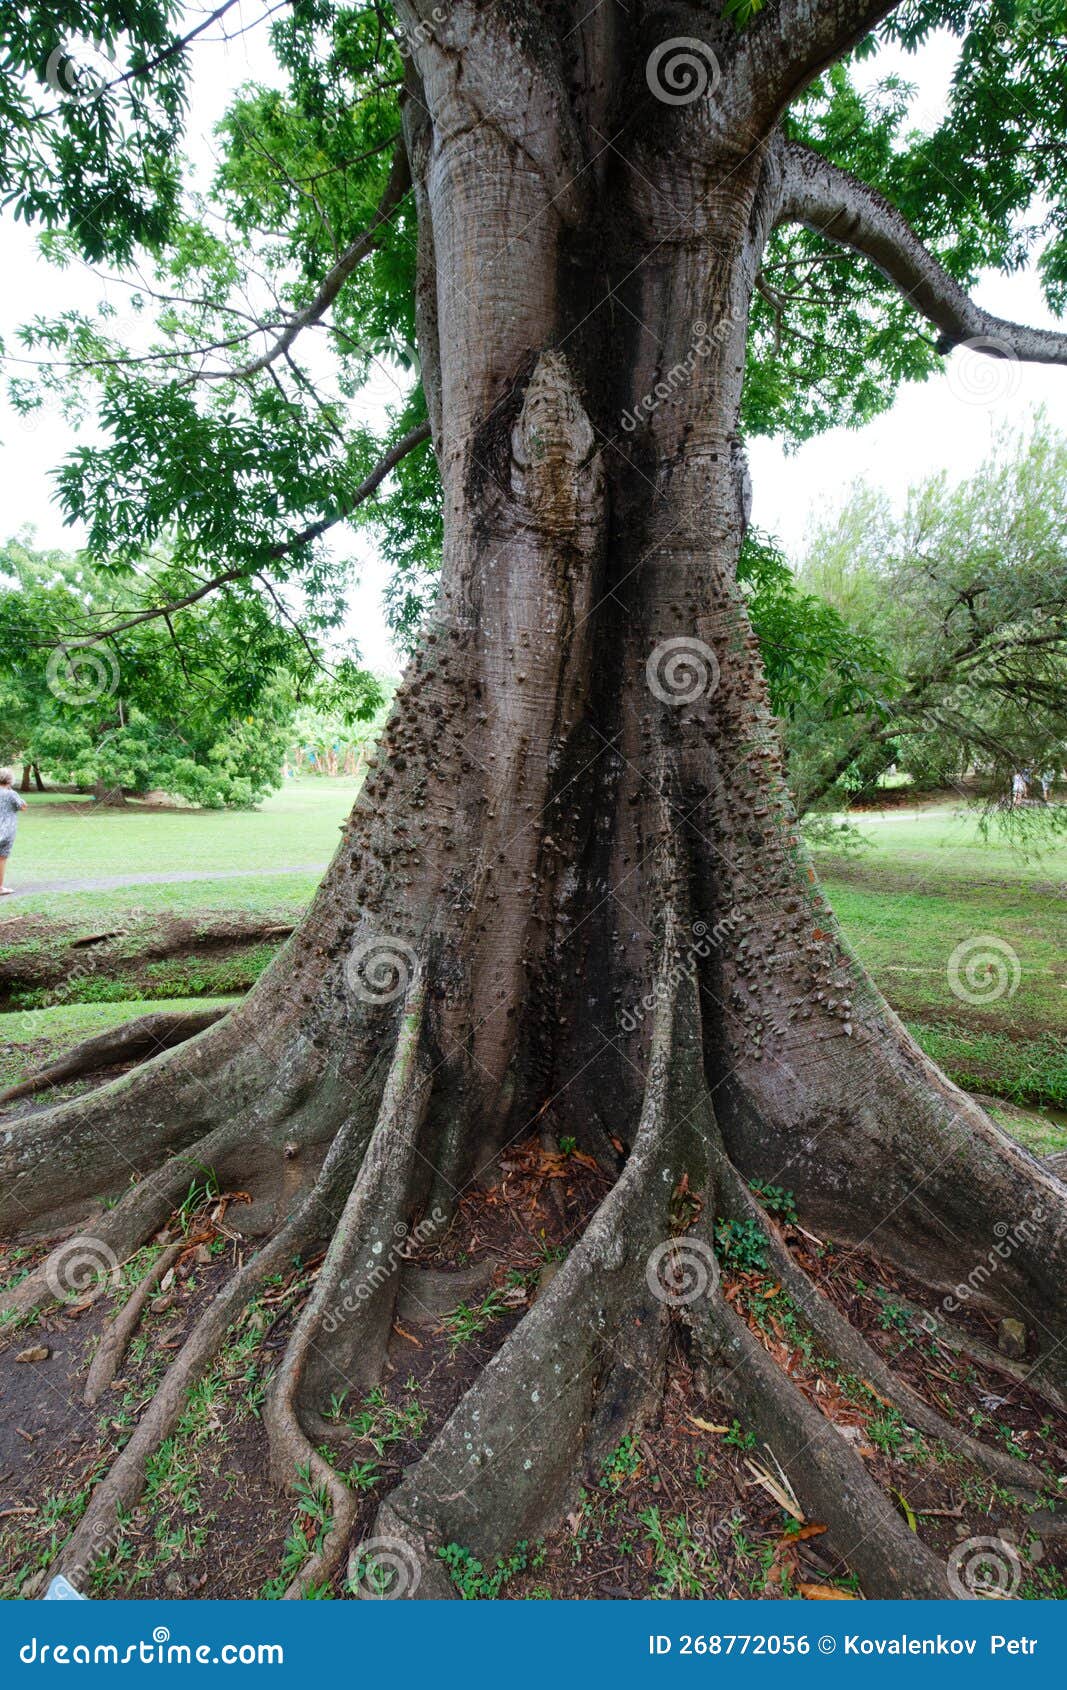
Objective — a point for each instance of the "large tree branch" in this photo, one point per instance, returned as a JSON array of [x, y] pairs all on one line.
[[365, 243], [845, 210], [786, 45]]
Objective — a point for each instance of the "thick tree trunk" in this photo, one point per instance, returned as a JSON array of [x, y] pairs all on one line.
[[111, 796], [572, 879]]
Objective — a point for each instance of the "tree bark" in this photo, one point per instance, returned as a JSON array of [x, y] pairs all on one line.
[[112, 797], [573, 873]]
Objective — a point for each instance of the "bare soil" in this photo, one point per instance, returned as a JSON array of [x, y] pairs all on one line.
[[687, 1506]]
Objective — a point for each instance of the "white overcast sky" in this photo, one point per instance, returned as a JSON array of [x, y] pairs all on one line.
[[945, 423]]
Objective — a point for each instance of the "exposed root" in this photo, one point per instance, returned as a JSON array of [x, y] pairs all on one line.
[[351, 1294], [123, 1229], [118, 1332], [828, 1478], [966, 1344], [134, 1042], [123, 1484], [849, 1347], [583, 1366]]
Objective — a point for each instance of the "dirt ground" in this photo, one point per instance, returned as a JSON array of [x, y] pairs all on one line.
[[688, 1505]]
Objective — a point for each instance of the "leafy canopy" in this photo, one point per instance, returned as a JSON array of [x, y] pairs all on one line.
[[966, 592], [201, 706], [231, 470]]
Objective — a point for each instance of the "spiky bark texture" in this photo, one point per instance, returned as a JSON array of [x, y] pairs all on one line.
[[573, 876]]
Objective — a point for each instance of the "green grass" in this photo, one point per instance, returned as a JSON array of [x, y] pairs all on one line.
[[930, 882], [946, 839], [282, 895], [51, 1032], [1021, 1070], [70, 838]]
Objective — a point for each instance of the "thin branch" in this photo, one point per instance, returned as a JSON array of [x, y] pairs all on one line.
[[845, 210], [282, 548], [395, 191], [407, 443]]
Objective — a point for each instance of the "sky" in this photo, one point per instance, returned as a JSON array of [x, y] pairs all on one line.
[[948, 422]]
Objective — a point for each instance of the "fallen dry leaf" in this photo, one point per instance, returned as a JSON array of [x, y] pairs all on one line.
[[705, 1425], [404, 1333], [824, 1593], [36, 1352], [811, 1530]]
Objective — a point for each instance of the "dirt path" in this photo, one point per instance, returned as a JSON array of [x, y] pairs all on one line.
[[110, 882]]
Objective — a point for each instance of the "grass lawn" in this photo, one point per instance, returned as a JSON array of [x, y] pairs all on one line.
[[928, 883], [48, 1033], [282, 895], [71, 838]]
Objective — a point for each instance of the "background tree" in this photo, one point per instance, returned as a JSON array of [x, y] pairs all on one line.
[[340, 741], [199, 704], [966, 592], [589, 221]]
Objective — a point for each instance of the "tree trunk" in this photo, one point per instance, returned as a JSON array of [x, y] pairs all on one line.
[[572, 875], [112, 797]]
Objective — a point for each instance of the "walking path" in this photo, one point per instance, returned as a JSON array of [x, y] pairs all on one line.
[[110, 882]]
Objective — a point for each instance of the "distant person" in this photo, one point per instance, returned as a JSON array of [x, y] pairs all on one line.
[[10, 805], [1048, 781], [1018, 787]]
